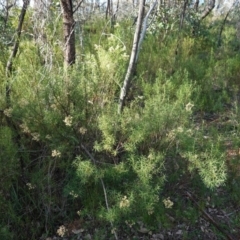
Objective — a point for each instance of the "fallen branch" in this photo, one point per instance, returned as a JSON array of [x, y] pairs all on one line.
[[209, 218]]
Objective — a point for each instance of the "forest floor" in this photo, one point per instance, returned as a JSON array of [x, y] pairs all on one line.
[[213, 223]]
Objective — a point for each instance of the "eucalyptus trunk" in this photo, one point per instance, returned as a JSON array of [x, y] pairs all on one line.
[[68, 32], [134, 53]]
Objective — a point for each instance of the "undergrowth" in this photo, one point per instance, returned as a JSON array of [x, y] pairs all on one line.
[[67, 154]]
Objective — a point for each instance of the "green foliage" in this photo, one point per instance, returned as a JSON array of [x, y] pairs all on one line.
[[9, 173], [67, 154], [8, 158], [5, 234]]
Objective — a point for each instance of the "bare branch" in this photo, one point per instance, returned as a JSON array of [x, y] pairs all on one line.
[[208, 10], [78, 6], [209, 218]]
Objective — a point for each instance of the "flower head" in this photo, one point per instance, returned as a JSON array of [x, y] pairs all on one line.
[[62, 230], [125, 56], [189, 107], [8, 112], [73, 194], [68, 121], [97, 47], [167, 203], [24, 128], [124, 202], [111, 49], [82, 130], [36, 136], [30, 186], [56, 153]]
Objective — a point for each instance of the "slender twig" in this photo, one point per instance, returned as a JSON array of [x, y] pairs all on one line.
[[103, 186], [222, 28], [209, 218], [224, 22], [78, 5], [70, 35], [208, 10]]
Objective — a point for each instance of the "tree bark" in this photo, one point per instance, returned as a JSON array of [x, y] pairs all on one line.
[[9, 66], [68, 32], [224, 23], [185, 4], [144, 29], [208, 10], [108, 9], [196, 5], [132, 62]]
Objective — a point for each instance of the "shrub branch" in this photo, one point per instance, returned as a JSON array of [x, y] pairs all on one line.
[[103, 186]]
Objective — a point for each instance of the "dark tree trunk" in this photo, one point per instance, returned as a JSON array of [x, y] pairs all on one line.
[[196, 5], [208, 10], [68, 32], [15, 49]]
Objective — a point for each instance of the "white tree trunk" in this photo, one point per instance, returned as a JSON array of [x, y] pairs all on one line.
[[132, 62]]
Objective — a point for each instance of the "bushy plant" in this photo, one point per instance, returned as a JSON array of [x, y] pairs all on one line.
[[68, 154], [133, 151], [9, 173]]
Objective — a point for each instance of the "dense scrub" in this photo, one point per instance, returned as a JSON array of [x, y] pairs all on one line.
[[66, 154]]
